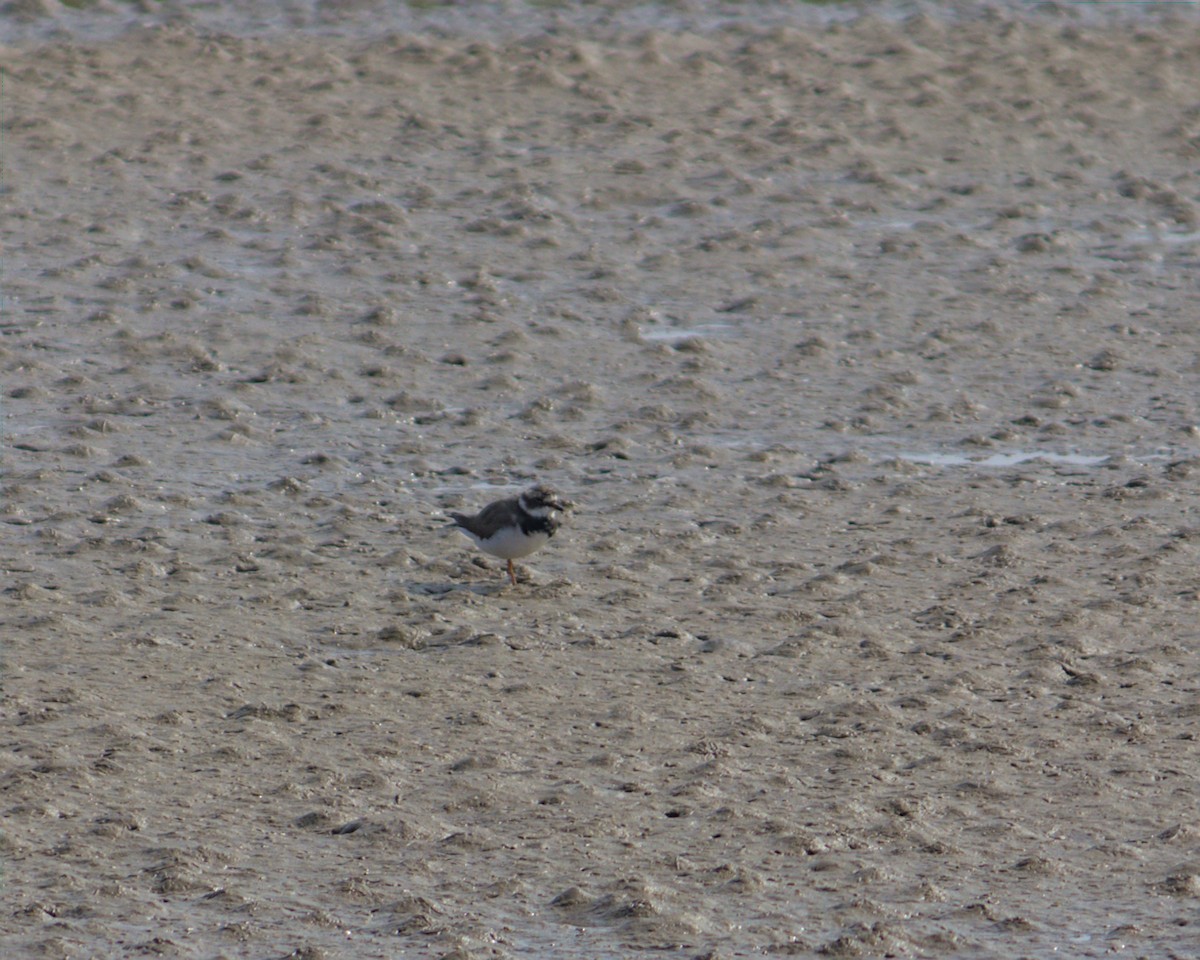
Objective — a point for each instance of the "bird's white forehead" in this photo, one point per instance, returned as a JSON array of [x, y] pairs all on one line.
[[541, 511]]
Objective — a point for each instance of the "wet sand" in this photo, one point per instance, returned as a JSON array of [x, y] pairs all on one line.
[[869, 353]]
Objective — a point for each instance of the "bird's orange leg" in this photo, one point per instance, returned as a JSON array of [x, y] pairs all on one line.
[[512, 574]]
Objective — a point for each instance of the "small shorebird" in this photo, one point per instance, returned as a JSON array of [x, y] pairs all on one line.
[[517, 526]]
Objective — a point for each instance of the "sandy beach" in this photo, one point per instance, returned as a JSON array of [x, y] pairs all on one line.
[[868, 351]]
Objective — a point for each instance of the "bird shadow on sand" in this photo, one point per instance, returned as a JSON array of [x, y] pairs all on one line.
[[444, 588], [528, 585]]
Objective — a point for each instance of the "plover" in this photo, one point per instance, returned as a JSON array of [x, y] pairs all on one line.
[[516, 526]]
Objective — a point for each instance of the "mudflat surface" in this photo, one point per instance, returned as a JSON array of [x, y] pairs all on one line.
[[869, 353]]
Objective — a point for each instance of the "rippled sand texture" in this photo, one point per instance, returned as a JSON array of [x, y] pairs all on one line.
[[779, 687]]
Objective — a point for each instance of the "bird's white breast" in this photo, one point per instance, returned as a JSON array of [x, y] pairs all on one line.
[[510, 543]]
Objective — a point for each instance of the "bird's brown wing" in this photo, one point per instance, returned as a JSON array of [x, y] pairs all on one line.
[[492, 516]]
